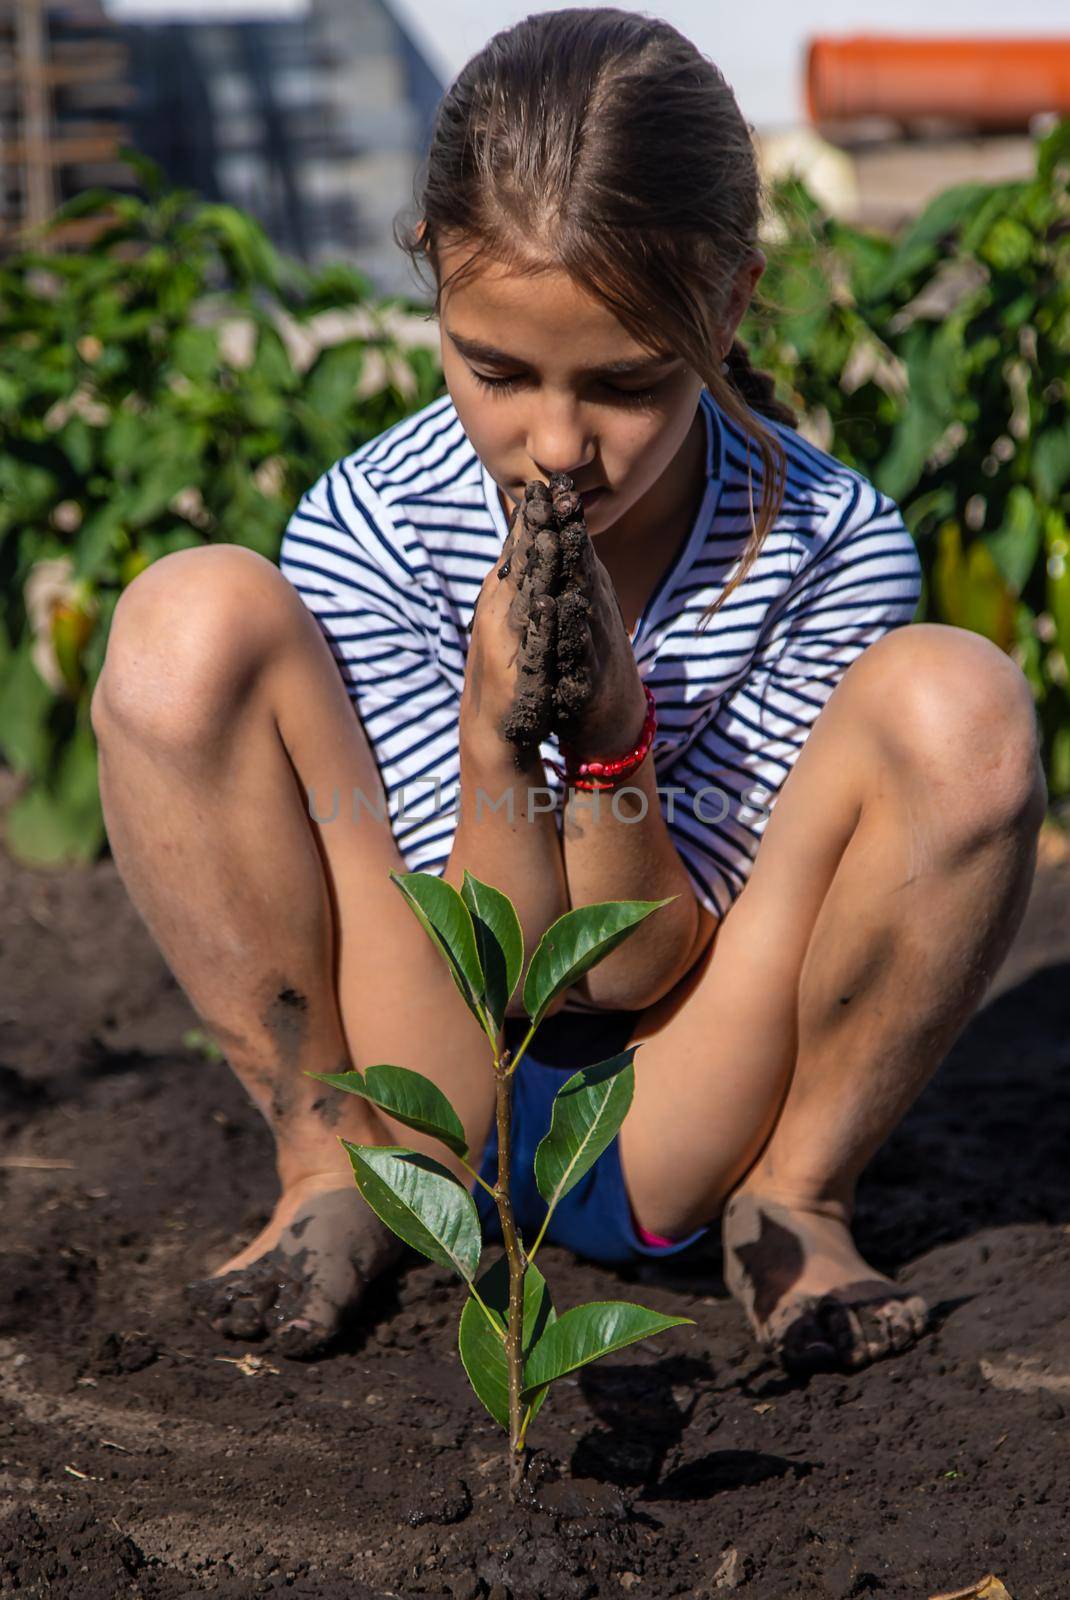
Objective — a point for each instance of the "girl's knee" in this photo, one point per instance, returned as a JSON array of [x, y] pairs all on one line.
[[188, 639], [956, 713]]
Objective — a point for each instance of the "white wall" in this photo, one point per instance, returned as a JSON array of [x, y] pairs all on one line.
[[204, 10]]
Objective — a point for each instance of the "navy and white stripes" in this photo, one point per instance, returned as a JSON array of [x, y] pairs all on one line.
[[389, 551]]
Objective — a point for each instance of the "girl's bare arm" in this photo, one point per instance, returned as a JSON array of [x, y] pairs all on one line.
[[508, 838], [507, 831], [616, 846]]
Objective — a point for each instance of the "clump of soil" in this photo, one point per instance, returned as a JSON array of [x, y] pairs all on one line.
[[142, 1456], [548, 552]]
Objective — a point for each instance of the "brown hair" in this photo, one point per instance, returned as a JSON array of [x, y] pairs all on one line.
[[608, 136]]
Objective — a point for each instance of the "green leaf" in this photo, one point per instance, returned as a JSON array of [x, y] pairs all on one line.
[[25, 703], [588, 1110], [332, 379], [919, 245], [421, 1202], [575, 943], [1015, 544], [408, 1096], [195, 353], [1054, 151], [60, 822], [1008, 246], [499, 942], [1051, 461], [448, 921], [969, 589], [586, 1333], [483, 1351], [271, 363], [1057, 573], [935, 369], [99, 539]]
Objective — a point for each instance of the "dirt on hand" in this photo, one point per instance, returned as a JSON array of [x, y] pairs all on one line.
[[550, 561]]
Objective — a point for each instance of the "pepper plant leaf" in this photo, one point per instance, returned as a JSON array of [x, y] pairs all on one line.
[[586, 1333], [575, 942], [448, 921], [588, 1110], [499, 942], [422, 1202], [483, 1350], [408, 1096]]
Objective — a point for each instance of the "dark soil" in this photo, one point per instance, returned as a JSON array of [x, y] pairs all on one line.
[[137, 1459]]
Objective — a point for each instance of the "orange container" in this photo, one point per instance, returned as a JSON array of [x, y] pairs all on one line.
[[991, 83]]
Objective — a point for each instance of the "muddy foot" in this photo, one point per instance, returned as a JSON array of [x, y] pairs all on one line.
[[808, 1295], [300, 1277]]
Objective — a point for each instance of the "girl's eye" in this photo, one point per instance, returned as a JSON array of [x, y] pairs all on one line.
[[629, 396]]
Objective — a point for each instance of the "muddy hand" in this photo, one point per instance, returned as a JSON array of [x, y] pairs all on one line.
[[598, 697], [511, 669]]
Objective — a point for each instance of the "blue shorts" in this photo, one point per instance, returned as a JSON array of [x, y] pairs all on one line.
[[595, 1218]]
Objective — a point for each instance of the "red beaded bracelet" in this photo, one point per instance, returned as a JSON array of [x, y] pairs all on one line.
[[588, 774]]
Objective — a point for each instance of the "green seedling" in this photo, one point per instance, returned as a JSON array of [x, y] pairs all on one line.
[[512, 1342]]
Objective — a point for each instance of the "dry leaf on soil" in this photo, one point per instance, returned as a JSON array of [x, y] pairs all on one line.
[[987, 1588]]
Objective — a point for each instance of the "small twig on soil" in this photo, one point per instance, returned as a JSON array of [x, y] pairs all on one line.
[[110, 1444], [75, 1473], [37, 1163], [249, 1365]]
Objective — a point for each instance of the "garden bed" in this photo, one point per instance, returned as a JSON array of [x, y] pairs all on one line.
[[134, 1460]]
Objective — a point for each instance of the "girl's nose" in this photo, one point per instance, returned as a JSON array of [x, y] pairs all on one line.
[[545, 470], [558, 443]]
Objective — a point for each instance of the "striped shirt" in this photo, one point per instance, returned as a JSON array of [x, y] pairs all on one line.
[[389, 550]]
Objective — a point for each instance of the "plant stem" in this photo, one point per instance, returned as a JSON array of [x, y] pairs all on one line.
[[514, 1060], [483, 1184], [541, 1234], [482, 1304], [514, 1254], [524, 1425]]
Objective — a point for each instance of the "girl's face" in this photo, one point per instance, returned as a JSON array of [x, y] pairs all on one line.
[[545, 379]]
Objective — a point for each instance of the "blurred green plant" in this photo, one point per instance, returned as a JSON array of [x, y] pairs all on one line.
[[166, 387], [936, 363], [170, 386]]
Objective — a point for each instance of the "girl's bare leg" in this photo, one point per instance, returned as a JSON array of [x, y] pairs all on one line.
[[223, 722], [891, 879]]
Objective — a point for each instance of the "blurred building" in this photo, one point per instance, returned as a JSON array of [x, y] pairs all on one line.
[[314, 114], [64, 92], [315, 122]]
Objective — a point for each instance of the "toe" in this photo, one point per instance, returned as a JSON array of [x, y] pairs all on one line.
[[868, 1330], [901, 1326], [803, 1345], [917, 1310], [244, 1319], [303, 1340], [233, 1305], [845, 1331]]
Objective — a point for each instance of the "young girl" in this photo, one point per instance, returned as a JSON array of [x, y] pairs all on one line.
[[843, 808]]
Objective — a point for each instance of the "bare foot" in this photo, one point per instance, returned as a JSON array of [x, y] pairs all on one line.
[[303, 1273], [808, 1295]]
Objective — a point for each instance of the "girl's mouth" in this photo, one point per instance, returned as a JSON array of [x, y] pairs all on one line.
[[592, 498]]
